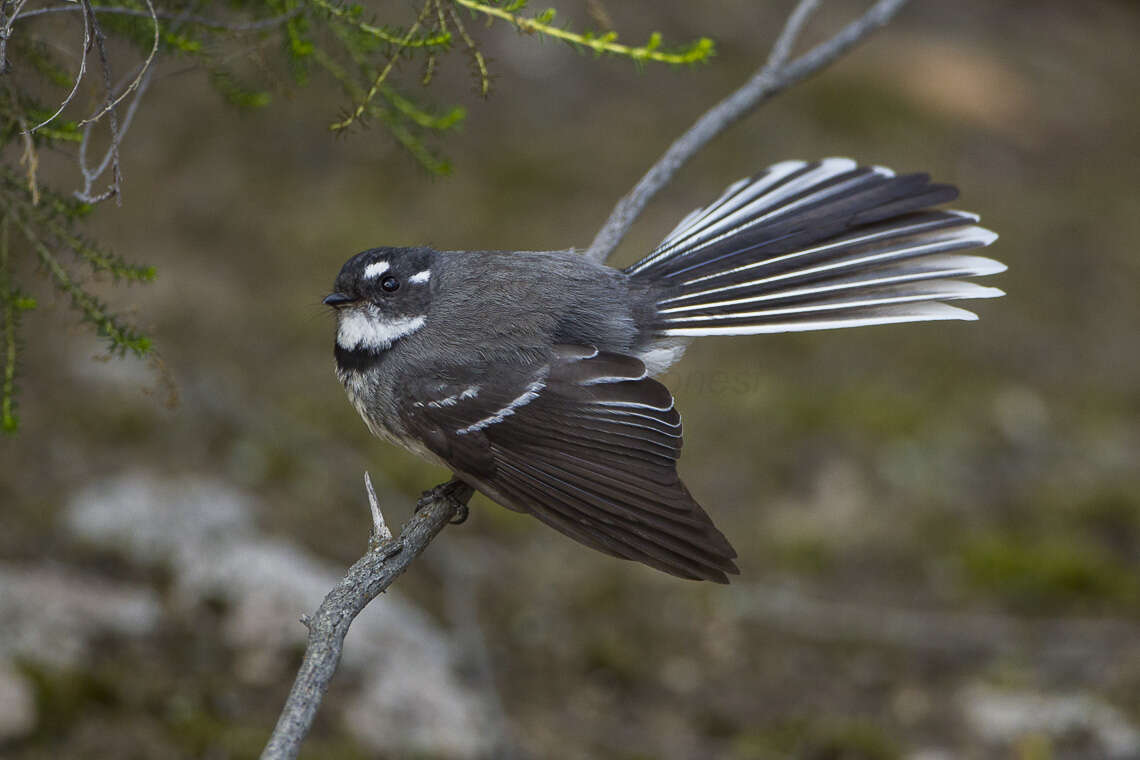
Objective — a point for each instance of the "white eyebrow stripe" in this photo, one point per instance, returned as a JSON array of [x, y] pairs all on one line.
[[376, 268], [420, 277]]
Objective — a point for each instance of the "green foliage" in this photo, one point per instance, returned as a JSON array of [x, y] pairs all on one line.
[[45, 228], [237, 92], [601, 44], [45, 104], [1039, 573]]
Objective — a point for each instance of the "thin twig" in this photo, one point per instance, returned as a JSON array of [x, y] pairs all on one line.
[[145, 67], [78, 77], [760, 88], [6, 33], [384, 72], [363, 582], [472, 50], [695, 53], [782, 50], [209, 23], [90, 176], [29, 157], [31, 160], [113, 116]]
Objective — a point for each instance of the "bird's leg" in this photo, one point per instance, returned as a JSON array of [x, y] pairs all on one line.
[[455, 491]]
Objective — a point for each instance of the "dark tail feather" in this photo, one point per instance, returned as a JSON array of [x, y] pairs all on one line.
[[813, 246]]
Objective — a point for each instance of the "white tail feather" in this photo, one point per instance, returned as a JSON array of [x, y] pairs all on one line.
[[927, 291], [969, 237], [739, 193], [923, 312], [951, 289], [817, 246], [865, 261]]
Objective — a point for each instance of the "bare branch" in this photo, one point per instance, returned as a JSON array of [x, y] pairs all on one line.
[[105, 64], [761, 87], [782, 50], [6, 32], [209, 23], [145, 67], [364, 581], [78, 77], [90, 176]]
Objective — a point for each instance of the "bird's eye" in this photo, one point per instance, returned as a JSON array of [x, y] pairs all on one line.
[[390, 284]]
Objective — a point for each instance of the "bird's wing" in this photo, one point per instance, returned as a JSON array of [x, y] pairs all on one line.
[[585, 442]]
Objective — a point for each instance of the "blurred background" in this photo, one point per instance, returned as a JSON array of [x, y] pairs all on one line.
[[938, 524]]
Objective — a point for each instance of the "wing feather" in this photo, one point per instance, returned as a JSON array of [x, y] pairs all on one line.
[[587, 444]]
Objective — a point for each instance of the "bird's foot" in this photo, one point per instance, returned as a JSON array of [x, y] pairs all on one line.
[[455, 491]]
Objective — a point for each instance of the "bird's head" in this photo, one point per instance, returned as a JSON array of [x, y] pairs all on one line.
[[380, 296]]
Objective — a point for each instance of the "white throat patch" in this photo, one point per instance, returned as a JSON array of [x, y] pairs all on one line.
[[359, 329]]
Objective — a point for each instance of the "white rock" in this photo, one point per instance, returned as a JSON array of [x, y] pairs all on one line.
[[158, 521], [1002, 717], [50, 614], [932, 753], [411, 700]]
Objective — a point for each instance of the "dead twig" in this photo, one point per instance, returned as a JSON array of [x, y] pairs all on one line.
[[78, 77], [92, 175], [210, 23], [142, 71]]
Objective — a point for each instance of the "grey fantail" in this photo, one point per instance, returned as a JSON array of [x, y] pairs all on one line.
[[529, 375]]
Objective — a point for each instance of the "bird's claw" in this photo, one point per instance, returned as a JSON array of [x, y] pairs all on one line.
[[455, 491]]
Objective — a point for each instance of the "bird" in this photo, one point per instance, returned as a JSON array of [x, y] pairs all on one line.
[[530, 375]]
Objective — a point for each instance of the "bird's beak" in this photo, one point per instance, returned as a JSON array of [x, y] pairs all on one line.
[[337, 299]]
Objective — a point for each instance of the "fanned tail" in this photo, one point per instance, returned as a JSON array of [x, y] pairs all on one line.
[[814, 246]]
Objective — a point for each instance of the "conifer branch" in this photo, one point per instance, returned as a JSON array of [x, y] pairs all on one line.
[[182, 18], [697, 52], [121, 337], [378, 82], [12, 303], [478, 61], [393, 36]]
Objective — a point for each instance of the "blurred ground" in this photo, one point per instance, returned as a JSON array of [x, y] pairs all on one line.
[[939, 525]]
